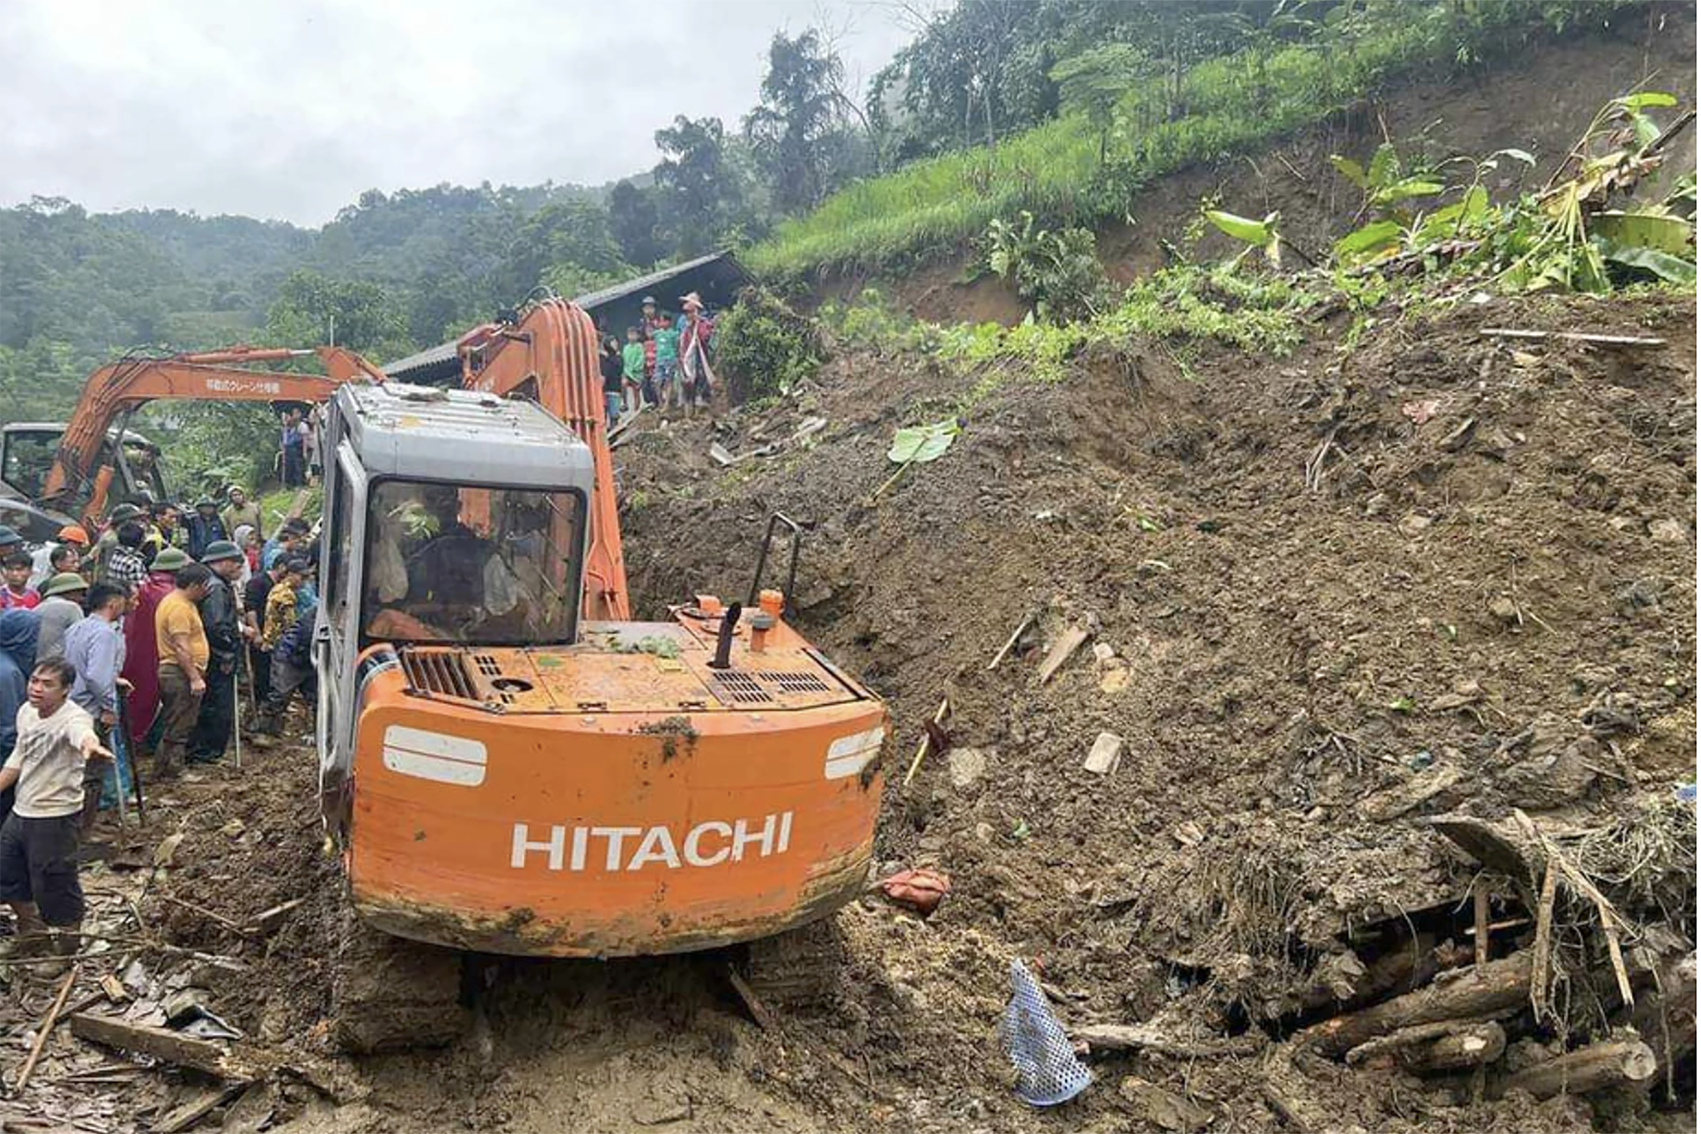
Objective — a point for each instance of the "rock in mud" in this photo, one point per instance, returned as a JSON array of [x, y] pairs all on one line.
[[967, 765]]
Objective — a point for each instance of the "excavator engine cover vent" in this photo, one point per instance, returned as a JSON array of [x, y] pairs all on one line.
[[795, 682], [741, 687], [444, 674]]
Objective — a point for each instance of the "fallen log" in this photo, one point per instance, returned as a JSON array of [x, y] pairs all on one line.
[[1607, 1064], [1470, 1046], [1664, 1016], [1472, 994]]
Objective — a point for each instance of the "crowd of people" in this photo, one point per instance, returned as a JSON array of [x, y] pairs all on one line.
[[664, 361], [134, 644]]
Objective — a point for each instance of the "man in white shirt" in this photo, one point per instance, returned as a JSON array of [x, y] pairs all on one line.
[[40, 838]]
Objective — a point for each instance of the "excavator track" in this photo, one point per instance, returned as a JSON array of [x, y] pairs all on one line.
[[392, 994], [799, 971]]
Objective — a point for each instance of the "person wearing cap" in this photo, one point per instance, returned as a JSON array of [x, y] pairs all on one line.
[[694, 335], [126, 566], [184, 655], [286, 544], [282, 608], [221, 618], [61, 607], [10, 541], [292, 671], [141, 665], [205, 528], [241, 510], [48, 557], [255, 595], [652, 317]]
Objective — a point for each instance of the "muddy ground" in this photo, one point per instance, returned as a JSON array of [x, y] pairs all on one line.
[[1469, 591]]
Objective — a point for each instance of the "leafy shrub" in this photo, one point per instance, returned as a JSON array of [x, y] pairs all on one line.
[[763, 348], [1058, 271]]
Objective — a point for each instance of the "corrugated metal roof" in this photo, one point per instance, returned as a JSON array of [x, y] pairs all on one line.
[[435, 356], [644, 283], [441, 360]]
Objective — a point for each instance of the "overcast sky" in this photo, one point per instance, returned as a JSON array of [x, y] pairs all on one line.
[[290, 109]]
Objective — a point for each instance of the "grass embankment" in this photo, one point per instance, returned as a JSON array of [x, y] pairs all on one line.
[[1235, 102]]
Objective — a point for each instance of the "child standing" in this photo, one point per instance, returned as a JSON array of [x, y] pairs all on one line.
[[613, 368], [632, 372], [667, 362]]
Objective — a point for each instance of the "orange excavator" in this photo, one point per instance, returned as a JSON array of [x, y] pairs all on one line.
[[87, 460], [510, 764]]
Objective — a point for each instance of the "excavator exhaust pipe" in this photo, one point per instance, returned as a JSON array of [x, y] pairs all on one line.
[[723, 644]]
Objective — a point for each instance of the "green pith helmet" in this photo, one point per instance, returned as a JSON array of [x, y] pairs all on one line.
[[63, 584], [124, 513], [171, 559], [205, 502], [221, 549]]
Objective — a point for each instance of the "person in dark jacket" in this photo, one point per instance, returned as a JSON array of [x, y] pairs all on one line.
[[18, 632], [222, 620], [292, 671], [205, 528]]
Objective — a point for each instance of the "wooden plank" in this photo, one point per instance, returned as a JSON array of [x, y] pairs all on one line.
[[196, 1108], [163, 1044]]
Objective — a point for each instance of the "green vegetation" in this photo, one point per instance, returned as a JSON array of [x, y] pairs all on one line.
[[764, 347], [1229, 103]]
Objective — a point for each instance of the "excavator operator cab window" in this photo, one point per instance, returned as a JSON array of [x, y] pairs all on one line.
[[463, 565]]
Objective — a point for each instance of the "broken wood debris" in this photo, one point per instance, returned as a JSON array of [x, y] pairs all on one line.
[[1144, 1037], [1061, 650], [1010, 642], [206, 1056], [1475, 995], [197, 1107], [1572, 336], [939, 716], [1610, 1063], [46, 1029]]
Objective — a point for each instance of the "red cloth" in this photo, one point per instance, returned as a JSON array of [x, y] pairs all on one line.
[[11, 600], [141, 655]]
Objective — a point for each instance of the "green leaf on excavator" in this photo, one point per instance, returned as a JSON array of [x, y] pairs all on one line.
[[919, 444]]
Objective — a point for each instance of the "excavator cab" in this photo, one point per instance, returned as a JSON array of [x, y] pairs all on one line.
[[504, 774]]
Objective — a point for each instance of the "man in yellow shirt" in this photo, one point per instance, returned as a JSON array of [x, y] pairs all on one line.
[[183, 657]]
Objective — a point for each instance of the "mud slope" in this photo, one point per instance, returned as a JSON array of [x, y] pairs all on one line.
[[1487, 579], [1464, 592]]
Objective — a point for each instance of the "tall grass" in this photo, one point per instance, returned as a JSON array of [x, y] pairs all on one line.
[[1234, 102]]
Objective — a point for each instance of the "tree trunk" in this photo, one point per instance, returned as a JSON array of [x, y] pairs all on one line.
[[1609, 1064], [1473, 993]]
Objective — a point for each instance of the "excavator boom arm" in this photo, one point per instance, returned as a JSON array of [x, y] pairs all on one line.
[[208, 376]]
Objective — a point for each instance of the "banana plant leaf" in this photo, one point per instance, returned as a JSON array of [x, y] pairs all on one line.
[[918, 444], [1672, 269], [1674, 236]]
